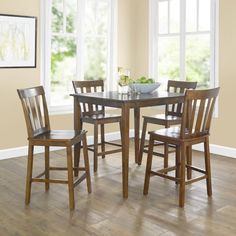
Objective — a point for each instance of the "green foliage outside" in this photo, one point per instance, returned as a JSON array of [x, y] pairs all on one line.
[[197, 60], [64, 49]]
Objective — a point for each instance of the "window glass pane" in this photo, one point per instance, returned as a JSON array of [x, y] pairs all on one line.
[[198, 59], [95, 58], [71, 8], [57, 16], [90, 18], [163, 17], [174, 16], [102, 18], [204, 15], [191, 15], [63, 69], [168, 59]]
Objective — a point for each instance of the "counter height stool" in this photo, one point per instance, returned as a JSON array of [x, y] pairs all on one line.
[[95, 115], [39, 134], [171, 117], [195, 128]]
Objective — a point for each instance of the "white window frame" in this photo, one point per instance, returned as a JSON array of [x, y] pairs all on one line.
[[45, 29], [153, 42]]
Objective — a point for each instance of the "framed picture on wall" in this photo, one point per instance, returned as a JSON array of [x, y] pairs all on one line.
[[18, 37]]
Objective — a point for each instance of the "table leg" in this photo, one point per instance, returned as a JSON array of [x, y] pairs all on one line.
[[125, 149], [136, 131]]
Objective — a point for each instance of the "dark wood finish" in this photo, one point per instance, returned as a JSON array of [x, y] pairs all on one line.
[[95, 115], [39, 134], [125, 102], [171, 117], [195, 127]]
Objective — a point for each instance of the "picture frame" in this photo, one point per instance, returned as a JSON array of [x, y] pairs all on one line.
[[18, 41]]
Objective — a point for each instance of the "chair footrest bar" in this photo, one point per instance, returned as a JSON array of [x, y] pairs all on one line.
[[105, 142], [196, 169], [109, 152], [165, 176], [168, 169], [154, 153], [40, 175], [65, 168], [78, 181], [57, 181], [114, 144], [195, 179], [106, 152]]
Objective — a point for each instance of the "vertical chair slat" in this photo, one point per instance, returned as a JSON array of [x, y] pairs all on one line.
[[200, 115]]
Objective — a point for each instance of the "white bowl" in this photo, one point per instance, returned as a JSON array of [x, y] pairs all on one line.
[[144, 88]]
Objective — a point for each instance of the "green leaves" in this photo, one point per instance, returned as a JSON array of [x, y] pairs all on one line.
[[144, 80]]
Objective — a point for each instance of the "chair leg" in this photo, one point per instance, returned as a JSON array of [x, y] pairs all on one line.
[[120, 131], [140, 156], [208, 166], [70, 178], [29, 174], [95, 153], [182, 176], [46, 167], [189, 161], [77, 148], [86, 163], [103, 139], [148, 166], [177, 163], [166, 149]]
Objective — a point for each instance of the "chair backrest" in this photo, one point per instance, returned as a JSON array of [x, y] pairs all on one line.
[[197, 112], [89, 86], [35, 110], [178, 87]]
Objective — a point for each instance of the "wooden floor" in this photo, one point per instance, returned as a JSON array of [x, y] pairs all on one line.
[[104, 212]]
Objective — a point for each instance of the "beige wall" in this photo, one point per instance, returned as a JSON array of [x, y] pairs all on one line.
[[133, 54]]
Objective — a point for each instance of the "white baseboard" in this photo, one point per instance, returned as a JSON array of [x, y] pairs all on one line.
[[22, 151], [218, 150]]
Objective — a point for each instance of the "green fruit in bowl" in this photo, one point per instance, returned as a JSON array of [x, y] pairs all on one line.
[[144, 80], [151, 81]]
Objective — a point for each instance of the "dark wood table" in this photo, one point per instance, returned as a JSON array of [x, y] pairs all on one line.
[[125, 102]]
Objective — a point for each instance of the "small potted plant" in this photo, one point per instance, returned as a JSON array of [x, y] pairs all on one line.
[[124, 80]]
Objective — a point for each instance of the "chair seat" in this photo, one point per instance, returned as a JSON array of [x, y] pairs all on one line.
[[58, 138], [106, 118], [162, 119], [173, 134]]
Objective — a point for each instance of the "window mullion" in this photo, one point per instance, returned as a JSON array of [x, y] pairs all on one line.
[[182, 38], [197, 16], [168, 29], [46, 45], [80, 40], [64, 16]]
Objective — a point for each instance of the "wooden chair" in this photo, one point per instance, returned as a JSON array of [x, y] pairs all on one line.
[[94, 114], [39, 134], [171, 117], [195, 127]]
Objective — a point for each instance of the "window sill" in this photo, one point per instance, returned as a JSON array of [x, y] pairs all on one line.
[[60, 110]]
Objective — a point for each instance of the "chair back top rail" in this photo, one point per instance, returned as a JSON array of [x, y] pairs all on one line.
[[89, 86], [35, 110], [178, 87], [197, 112]]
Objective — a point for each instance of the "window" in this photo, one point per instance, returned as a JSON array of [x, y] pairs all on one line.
[[183, 41], [79, 39]]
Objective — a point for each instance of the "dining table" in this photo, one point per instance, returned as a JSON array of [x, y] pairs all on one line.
[[125, 102]]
